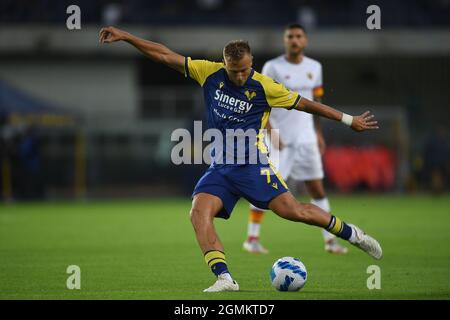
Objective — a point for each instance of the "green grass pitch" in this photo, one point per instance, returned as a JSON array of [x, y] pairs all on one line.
[[147, 250]]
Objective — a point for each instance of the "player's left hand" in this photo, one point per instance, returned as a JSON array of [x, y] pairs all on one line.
[[364, 122]]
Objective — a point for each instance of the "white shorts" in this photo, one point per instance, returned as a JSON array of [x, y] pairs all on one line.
[[302, 162]]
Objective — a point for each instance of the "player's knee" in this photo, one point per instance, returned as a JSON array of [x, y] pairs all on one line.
[[197, 215], [193, 214]]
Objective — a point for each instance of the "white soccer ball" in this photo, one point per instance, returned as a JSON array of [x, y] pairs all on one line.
[[288, 274]]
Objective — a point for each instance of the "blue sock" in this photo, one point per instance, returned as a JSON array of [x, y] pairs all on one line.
[[219, 268]]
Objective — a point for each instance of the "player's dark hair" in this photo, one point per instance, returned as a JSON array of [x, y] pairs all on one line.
[[236, 49], [295, 26]]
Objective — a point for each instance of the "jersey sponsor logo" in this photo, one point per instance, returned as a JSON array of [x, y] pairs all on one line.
[[309, 75], [232, 103], [228, 117], [250, 94]]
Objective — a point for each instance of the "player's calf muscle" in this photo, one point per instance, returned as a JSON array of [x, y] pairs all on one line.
[[202, 213], [303, 213], [206, 234], [314, 215], [286, 206]]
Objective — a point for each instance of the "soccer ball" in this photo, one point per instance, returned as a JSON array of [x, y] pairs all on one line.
[[288, 274]]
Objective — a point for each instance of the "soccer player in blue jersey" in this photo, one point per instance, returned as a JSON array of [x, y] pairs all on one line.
[[238, 99]]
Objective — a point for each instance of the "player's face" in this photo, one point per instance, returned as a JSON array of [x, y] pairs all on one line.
[[239, 70], [295, 41]]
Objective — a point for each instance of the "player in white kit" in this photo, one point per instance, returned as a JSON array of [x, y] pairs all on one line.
[[301, 142]]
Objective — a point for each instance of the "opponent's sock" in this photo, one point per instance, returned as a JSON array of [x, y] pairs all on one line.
[[324, 204], [339, 228], [215, 259], [254, 224]]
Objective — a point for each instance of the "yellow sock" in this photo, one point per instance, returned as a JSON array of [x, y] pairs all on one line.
[[215, 259]]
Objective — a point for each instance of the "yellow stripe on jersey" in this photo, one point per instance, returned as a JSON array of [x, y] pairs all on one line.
[[200, 70], [277, 95], [274, 169], [213, 257], [318, 92], [260, 144], [265, 118]]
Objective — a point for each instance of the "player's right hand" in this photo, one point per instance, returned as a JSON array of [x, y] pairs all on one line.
[[111, 34]]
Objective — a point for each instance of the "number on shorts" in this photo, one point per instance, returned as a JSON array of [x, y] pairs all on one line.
[[267, 173]]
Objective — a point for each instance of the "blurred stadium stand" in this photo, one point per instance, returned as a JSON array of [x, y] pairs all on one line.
[[125, 107], [325, 13]]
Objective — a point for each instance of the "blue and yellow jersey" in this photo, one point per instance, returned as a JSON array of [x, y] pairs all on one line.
[[238, 107]]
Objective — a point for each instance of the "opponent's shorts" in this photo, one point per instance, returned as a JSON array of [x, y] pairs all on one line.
[[302, 162], [258, 183]]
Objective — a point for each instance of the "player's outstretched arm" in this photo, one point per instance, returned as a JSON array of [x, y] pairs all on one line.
[[155, 51], [362, 122]]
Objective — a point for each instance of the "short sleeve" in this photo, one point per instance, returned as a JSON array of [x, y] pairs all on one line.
[[278, 96], [200, 70], [318, 87]]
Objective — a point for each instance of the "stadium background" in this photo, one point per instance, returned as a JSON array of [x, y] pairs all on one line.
[[81, 122]]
